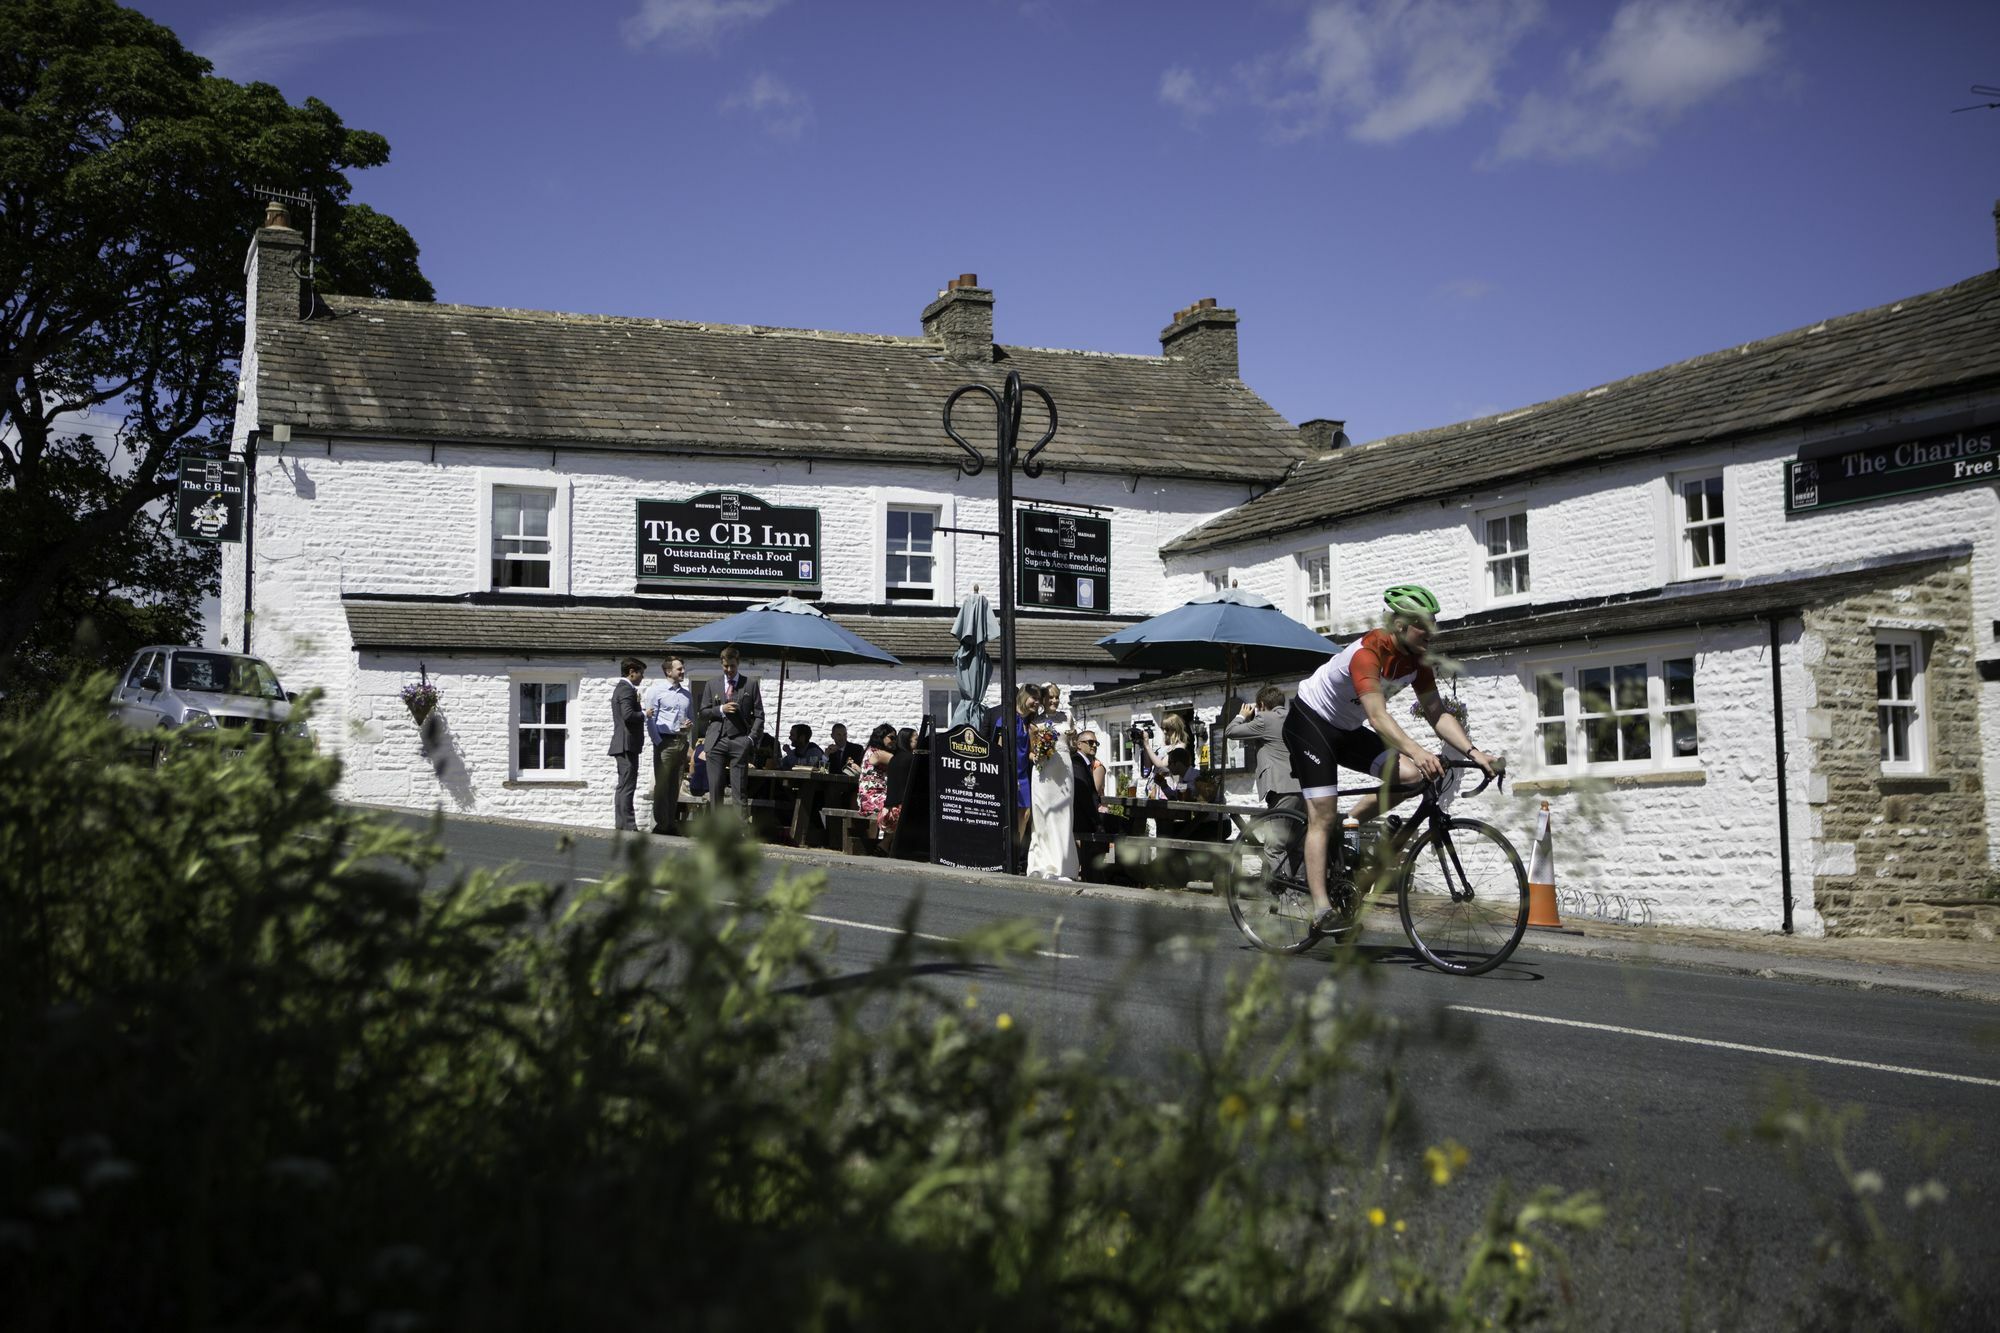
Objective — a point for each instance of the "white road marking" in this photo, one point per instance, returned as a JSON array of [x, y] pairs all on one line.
[[897, 930], [890, 930], [1729, 1045]]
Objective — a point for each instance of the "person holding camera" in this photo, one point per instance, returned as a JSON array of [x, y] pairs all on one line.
[[1261, 727]]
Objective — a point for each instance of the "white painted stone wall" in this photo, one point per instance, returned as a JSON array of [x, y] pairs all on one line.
[[396, 518], [389, 763], [1708, 853]]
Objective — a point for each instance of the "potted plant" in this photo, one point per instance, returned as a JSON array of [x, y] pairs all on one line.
[[420, 696]]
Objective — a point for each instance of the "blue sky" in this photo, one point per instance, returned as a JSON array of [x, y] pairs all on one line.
[[1423, 210]]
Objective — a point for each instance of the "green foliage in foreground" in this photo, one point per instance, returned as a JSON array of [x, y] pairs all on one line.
[[259, 1073]]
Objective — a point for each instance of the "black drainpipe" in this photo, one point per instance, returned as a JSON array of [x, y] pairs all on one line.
[[249, 528], [1784, 797]]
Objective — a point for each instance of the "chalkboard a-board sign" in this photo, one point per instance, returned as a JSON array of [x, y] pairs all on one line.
[[967, 801]]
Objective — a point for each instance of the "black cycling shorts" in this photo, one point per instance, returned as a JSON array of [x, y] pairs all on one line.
[[1319, 749]]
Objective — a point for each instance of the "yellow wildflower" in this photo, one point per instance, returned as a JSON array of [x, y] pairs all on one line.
[[1376, 1217], [1445, 1161], [1401, 1226], [1297, 1121], [1004, 1022], [1523, 1256], [1233, 1107]]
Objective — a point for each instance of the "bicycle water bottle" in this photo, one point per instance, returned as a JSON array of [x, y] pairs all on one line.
[[1350, 843]]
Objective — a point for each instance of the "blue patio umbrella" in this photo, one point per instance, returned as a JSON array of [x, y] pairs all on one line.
[[791, 631], [1235, 630]]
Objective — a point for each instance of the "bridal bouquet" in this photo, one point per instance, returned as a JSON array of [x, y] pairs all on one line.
[[1041, 742]]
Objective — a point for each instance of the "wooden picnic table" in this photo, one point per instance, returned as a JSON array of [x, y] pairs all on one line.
[[810, 791], [1142, 807]]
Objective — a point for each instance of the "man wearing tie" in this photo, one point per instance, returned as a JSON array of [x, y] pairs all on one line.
[[628, 740], [732, 722]]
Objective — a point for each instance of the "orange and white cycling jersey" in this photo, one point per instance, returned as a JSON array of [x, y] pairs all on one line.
[[1372, 664]]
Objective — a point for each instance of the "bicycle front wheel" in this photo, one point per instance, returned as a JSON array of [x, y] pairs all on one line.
[[1463, 895], [1265, 883]]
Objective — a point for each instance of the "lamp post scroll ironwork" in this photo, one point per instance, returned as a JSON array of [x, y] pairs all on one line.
[[1007, 415]]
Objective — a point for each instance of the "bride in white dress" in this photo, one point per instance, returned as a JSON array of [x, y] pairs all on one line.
[[1052, 796]]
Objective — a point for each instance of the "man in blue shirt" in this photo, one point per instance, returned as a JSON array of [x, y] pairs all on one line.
[[669, 706]]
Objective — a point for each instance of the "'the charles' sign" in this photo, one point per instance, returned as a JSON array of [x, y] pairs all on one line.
[[1894, 467], [723, 537]]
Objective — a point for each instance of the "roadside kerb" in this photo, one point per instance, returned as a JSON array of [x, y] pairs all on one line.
[[1822, 961]]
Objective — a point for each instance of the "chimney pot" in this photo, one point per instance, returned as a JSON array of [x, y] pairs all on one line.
[[1322, 435], [1203, 336], [962, 318], [277, 215]]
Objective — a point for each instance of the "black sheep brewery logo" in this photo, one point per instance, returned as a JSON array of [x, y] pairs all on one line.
[[208, 501], [1805, 485]]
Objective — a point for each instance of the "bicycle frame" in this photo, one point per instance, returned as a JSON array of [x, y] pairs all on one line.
[[1428, 815]]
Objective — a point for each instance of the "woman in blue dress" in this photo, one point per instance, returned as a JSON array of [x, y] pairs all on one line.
[[1027, 706]]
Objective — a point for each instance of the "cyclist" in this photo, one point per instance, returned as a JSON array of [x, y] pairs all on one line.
[[1341, 719]]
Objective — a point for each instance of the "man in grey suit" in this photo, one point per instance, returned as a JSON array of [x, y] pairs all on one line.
[[731, 721], [1262, 726], [628, 740]]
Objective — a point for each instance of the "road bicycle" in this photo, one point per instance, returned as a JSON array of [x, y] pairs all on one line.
[[1460, 887]]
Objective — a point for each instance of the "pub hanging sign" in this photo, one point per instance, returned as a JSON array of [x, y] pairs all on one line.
[[1062, 560], [1894, 467], [208, 502], [726, 537]]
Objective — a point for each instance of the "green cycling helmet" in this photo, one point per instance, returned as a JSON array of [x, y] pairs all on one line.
[[1411, 599]]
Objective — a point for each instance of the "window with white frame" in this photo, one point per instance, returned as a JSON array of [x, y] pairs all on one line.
[[1630, 712], [1216, 579], [523, 543], [1899, 700], [1316, 586], [911, 573], [1505, 537], [544, 721], [1703, 538]]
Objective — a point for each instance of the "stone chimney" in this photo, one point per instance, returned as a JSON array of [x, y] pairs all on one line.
[[274, 292], [1205, 338], [1323, 436], [962, 319]]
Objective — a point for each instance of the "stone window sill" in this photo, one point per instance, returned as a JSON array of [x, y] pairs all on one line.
[[1912, 784], [575, 783], [1673, 777]]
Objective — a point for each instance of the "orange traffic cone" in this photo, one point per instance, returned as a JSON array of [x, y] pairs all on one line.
[[1542, 878]]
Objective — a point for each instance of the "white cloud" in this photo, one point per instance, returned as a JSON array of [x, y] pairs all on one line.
[[261, 45], [1182, 88], [1467, 290], [781, 110], [1389, 69], [1659, 59], [693, 22]]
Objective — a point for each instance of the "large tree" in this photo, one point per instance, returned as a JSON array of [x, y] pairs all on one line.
[[127, 178]]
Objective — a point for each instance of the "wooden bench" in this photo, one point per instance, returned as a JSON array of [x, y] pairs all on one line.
[[856, 832], [1175, 862]]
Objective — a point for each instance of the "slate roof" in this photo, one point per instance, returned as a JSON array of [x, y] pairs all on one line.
[[1942, 342], [577, 628], [401, 369]]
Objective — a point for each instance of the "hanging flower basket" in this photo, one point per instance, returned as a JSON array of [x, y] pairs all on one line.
[[421, 698]]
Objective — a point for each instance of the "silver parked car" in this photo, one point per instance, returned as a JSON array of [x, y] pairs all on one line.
[[167, 689]]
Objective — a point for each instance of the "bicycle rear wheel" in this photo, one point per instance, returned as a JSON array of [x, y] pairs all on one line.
[[1265, 883], [1463, 895]]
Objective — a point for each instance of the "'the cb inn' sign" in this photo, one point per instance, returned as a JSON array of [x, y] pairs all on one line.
[[1959, 451], [725, 537]]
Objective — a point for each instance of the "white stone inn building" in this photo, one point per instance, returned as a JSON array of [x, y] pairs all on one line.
[[1734, 619], [467, 492]]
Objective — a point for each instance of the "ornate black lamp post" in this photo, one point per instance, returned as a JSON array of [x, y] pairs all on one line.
[[1007, 412]]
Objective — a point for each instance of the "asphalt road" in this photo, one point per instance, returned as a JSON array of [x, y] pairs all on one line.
[[1637, 1081]]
